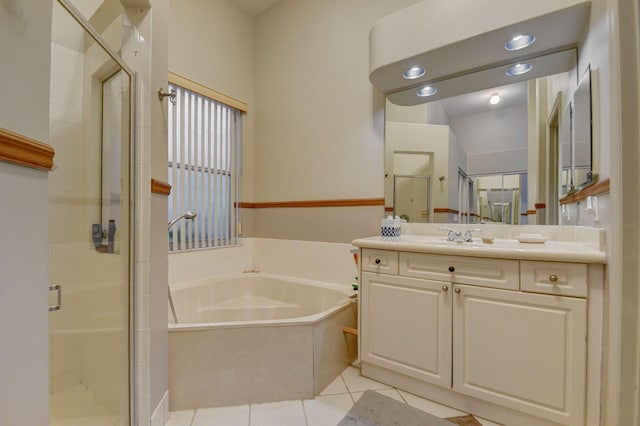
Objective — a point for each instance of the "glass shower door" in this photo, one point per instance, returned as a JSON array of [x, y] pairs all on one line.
[[89, 226]]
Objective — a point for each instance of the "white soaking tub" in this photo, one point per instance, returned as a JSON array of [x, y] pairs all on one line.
[[256, 337]]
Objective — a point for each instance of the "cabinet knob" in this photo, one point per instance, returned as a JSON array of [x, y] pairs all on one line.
[[452, 269], [458, 290], [377, 261], [553, 278], [445, 288]]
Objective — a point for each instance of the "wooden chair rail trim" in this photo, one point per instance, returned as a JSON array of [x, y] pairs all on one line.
[[206, 91], [159, 187], [445, 210], [24, 151], [601, 187], [355, 202]]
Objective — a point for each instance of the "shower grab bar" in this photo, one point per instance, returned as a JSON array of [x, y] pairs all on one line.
[[58, 305]]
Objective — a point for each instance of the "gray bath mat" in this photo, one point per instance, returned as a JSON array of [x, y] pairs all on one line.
[[373, 409]]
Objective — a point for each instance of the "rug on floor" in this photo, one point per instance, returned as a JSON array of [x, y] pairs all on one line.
[[467, 420], [374, 409]]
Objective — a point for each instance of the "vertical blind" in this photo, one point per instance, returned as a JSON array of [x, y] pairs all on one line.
[[204, 168]]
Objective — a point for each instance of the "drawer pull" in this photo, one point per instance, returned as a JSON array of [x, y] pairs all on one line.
[[553, 278], [445, 288], [458, 290], [377, 261], [452, 269]]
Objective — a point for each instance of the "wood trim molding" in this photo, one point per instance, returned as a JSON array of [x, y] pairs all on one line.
[[601, 187], [24, 151], [206, 91], [445, 210], [355, 202], [159, 187]]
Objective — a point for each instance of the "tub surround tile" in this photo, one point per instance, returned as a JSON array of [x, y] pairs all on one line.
[[203, 374], [286, 413], [333, 349]]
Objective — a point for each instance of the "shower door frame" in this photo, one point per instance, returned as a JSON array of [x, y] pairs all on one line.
[[86, 25]]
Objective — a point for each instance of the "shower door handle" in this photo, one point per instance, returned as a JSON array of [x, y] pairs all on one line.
[[58, 305]]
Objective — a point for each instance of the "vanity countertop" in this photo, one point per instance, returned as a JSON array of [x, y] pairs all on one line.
[[504, 248]]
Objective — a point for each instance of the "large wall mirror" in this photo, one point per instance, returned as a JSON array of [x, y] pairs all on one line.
[[491, 154]]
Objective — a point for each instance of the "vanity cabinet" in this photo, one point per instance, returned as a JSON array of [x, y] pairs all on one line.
[[504, 331]]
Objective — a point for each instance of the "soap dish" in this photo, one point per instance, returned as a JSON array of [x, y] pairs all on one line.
[[532, 238]]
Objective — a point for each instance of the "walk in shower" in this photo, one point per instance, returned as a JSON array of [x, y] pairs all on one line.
[[89, 217]]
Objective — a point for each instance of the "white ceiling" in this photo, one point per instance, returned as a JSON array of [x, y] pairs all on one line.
[[254, 7], [478, 102]]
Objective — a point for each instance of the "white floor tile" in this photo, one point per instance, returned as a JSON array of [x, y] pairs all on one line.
[[286, 413], [223, 416], [356, 383], [180, 418], [335, 387], [431, 407], [327, 410]]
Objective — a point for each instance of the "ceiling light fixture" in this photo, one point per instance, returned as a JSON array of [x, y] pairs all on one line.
[[427, 91], [494, 99], [519, 42], [413, 73], [519, 69]]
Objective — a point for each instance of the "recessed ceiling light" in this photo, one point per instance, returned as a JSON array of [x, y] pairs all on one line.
[[519, 69], [413, 73], [519, 42], [494, 99], [427, 91]]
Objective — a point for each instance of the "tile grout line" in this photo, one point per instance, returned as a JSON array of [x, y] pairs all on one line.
[[304, 412]]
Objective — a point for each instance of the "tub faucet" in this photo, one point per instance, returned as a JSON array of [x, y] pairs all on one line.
[[189, 215]]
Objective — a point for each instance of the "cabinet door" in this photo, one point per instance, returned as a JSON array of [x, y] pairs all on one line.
[[523, 351], [406, 326]]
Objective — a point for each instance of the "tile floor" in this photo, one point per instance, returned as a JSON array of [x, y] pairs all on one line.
[[327, 409]]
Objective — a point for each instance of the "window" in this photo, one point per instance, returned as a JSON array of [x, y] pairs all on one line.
[[204, 170]]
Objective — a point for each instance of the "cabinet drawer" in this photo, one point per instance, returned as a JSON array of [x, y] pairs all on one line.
[[380, 261], [562, 279], [496, 273]]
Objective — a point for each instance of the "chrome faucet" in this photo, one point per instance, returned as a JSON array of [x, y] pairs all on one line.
[[189, 215], [457, 235], [453, 234], [468, 236]]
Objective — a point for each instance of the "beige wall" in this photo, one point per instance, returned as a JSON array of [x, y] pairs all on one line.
[[25, 43], [319, 122], [211, 42]]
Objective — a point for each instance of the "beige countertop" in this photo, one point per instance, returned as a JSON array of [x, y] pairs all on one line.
[[502, 248]]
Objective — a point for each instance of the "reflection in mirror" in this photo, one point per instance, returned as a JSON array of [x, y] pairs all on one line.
[[581, 155], [566, 151], [500, 198], [468, 138]]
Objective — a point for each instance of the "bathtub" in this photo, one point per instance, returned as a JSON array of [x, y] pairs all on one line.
[[257, 337]]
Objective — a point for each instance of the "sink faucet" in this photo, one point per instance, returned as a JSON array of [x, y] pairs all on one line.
[[453, 234], [468, 237], [457, 235]]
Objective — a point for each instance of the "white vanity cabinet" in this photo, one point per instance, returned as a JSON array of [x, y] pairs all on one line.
[[506, 332]]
